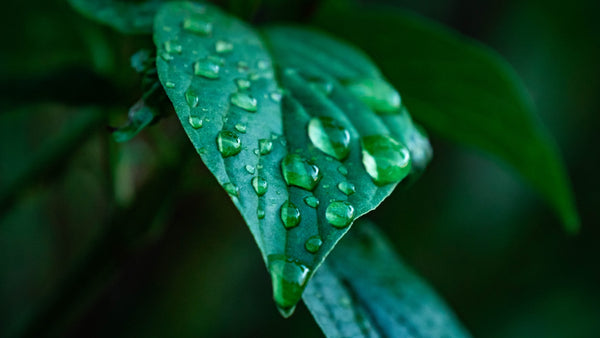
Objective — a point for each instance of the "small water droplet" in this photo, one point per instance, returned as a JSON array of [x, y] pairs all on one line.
[[290, 215], [241, 128], [170, 84], [191, 97], [297, 171], [231, 189], [377, 94], [339, 214], [329, 136], [260, 213], [250, 169], [313, 244], [264, 146], [347, 188], [173, 47], [385, 159], [311, 201], [195, 122], [260, 185], [228, 143], [244, 101], [276, 96], [342, 170], [289, 279], [323, 86], [242, 66], [262, 64], [198, 26], [222, 46], [166, 56], [243, 84], [207, 68]]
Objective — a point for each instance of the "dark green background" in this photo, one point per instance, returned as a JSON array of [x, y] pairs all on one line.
[[472, 227]]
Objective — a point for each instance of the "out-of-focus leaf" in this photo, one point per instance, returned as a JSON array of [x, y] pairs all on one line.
[[131, 17], [292, 163], [365, 290], [460, 90]]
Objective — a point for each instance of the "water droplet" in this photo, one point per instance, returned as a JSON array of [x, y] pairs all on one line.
[[173, 47], [296, 171], [207, 68], [244, 101], [323, 86], [166, 56], [290, 215], [222, 46], [198, 25], [265, 146], [170, 84], [339, 214], [329, 136], [228, 143], [242, 66], [241, 128], [250, 169], [260, 213], [231, 189], [342, 170], [260, 185], [276, 96], [385, 159], [195, 122], [347, 188], [311, 201], [191, 97], [313, 244], [289, 279], [242, 84], [377, 94]]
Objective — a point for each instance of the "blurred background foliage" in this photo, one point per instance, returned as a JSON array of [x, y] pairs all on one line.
[[160, 250]]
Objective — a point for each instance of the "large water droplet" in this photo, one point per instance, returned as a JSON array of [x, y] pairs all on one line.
[[207, 68], [329, 136], [289, 279], [313, 244], [377, 94], [311, 201], [191, 97], [244, 101], [260, 185], [347, 188], [198, 25], [231, 189], [195, 122], [297, 171], [222, 46], [290, 215], [339, 214], [385, 159], [265, 146], [228, 143]]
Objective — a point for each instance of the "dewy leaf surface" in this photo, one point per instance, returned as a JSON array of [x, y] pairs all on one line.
[[365, 290], [460, 90], [127, 17], [288, 146]]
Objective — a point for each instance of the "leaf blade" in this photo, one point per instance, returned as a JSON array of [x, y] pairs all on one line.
[[125, 17], [364, 289], [460, 90]]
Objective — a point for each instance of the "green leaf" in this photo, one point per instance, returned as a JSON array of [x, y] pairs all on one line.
[[365, 290], [130, 17], [460, 90], [291, 159]]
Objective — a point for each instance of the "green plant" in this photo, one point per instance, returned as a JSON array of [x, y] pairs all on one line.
[[306, 135]]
